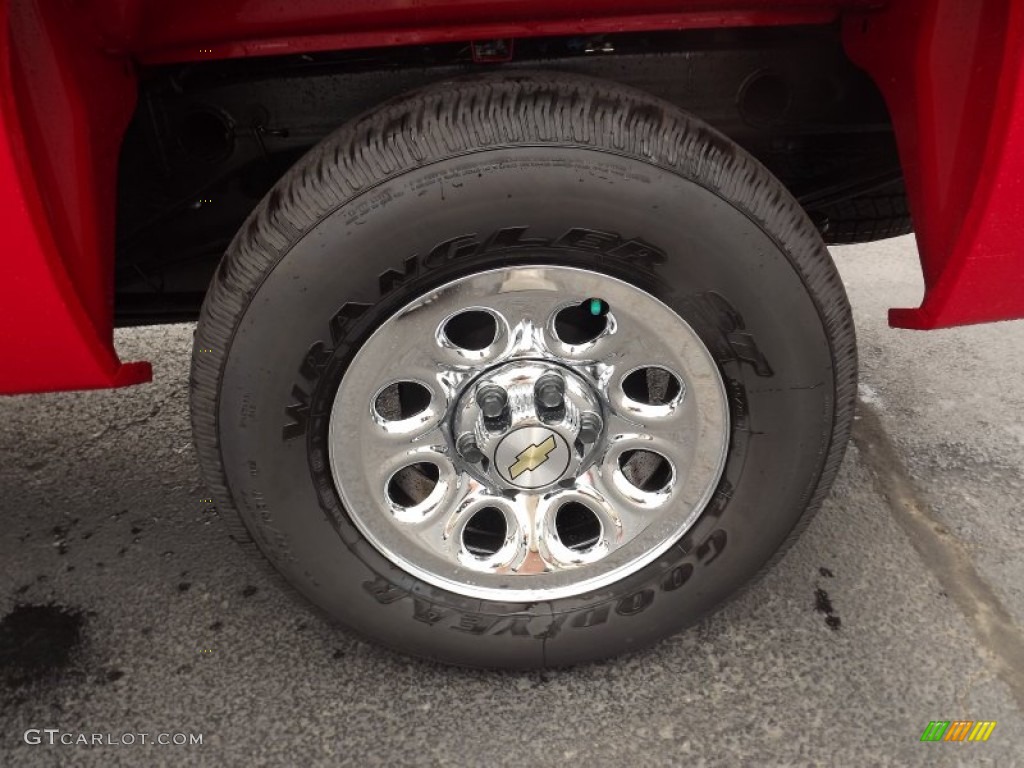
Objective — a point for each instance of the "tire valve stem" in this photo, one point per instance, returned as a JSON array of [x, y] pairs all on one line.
[[597, 307], [468, 449]]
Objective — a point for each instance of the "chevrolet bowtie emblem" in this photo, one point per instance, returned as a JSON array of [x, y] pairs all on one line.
[[532, 457]]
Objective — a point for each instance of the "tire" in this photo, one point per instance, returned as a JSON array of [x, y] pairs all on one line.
[[493, 173], [877, 215]]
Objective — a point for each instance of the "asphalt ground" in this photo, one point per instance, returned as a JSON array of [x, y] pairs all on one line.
[[125, 609]]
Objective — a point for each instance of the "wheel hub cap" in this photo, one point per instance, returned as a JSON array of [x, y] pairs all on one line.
[[534, 440], [532, 457]]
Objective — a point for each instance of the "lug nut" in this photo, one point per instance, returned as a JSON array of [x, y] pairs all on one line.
[[590, 427], [492, 400], [468, 449], [550, 391]]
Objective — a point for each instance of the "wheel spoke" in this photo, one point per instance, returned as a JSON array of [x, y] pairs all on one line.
[[624, 350], [527, 305], [438, 529], [380, 453]]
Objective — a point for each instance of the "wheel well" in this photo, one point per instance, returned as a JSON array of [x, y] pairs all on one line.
[[209, 140]]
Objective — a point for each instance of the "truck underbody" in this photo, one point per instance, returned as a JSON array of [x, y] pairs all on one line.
[[208, 141]]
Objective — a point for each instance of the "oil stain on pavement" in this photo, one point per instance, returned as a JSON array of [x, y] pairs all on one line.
[[38, 643]]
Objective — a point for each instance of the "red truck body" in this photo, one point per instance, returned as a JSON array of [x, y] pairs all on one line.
[[950, 71]]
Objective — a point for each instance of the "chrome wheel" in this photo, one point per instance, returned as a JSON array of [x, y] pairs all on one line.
[[528, 433]]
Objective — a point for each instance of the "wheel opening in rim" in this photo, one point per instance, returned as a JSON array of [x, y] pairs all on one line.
[[577, 526], [649, 471], [401, 400], [473, 329], [651, 385], [582, 322], [485, 533], [412, 485]]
